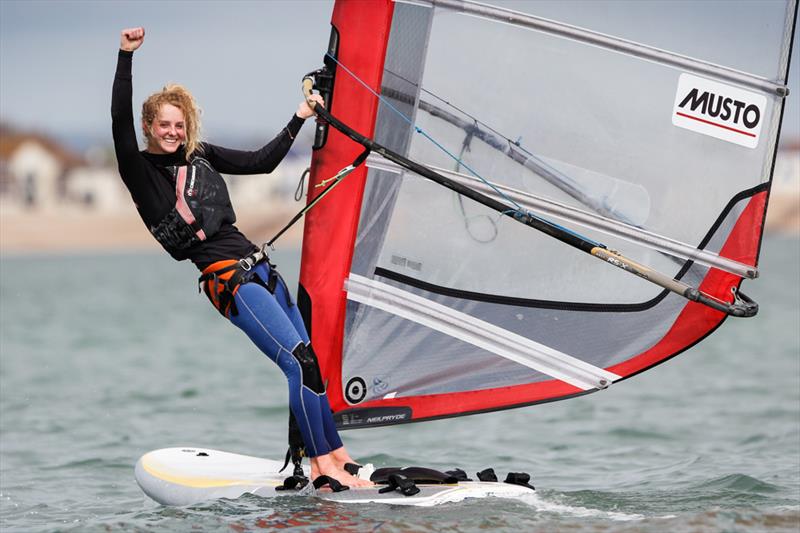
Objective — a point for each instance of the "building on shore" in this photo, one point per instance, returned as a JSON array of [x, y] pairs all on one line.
[[33, 170]]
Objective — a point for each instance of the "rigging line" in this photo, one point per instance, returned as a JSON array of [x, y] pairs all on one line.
[[517, 212], [516, 143], [417, 128], [518, 154], [465, 147], [664, 245], [336, 179]]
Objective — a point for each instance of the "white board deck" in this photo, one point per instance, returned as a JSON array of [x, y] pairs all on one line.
[[189, 475]]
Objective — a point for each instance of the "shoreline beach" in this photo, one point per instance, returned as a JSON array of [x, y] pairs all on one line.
[[71, 231]]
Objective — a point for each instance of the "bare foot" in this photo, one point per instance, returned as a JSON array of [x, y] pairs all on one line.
[[324, 465], [341, 457]]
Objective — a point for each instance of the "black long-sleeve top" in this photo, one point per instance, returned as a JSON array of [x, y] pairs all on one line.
[[146, 177]]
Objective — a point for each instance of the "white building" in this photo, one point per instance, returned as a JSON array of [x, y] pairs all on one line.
[[33, 171]]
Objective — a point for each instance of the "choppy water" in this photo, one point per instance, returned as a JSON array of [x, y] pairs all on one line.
[[103, 358]]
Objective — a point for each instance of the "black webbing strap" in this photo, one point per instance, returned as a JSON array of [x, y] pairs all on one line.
[[293, 483], [487, 475], [336, 180], [402, 484], [352, 468], [519, 478], [418, 474], [333, 483], [458, 474]]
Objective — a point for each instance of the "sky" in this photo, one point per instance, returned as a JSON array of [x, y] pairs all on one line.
[[243, 60]]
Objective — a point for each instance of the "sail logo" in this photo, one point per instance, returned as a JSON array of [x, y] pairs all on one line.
[[377, 416], [385, 419], [190, 192], [721, 111]]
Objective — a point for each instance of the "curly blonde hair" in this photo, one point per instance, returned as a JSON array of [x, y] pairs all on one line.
[[180, 97]]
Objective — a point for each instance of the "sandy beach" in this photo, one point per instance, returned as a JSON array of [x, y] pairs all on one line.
[[71, 231]]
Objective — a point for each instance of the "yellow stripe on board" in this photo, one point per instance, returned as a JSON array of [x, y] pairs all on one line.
[[199, 482]]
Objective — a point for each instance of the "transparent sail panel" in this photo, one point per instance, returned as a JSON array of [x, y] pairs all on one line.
[[742, 36], [385, 348], [597, 127]]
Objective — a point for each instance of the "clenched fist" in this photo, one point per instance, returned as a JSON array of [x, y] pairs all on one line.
[[131, 39]]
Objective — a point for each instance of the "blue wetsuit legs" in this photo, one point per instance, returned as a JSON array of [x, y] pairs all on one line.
[[276, 327]]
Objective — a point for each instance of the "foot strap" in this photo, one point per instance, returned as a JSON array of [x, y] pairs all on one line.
[[519, 478], [416, 474], [293, 483], [333, 483], [352, 468], [458, 474], [487, 475], [402, 484]]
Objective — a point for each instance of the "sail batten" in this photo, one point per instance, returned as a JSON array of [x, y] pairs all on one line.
[[478, 333], [547, 207], [649, 53]]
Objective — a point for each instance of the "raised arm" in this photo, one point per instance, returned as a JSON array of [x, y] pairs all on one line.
[[122, 123]]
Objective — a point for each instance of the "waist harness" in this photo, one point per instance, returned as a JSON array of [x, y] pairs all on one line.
[[221, 280], [202, 205]]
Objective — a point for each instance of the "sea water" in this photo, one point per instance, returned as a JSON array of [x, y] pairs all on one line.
[[104, 357]]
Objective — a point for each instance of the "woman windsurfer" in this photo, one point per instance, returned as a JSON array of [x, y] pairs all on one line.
[[181, 197]]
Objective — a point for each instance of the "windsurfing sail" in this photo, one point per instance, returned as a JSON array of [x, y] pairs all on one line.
[[426, 301]]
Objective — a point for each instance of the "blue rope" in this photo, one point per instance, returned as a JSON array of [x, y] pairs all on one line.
[[518, 212], [423, 132]]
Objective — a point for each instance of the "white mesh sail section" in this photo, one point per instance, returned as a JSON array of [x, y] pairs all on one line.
[[600, 120]]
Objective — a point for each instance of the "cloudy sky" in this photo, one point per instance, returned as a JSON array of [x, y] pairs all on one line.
[[242, 59]]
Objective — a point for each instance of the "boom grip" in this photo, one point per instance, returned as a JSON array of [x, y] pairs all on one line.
[[742, 307], [308, 86]]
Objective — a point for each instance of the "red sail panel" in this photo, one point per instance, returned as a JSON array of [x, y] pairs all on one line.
[[697, 320], [694, 323], [330, 227]]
